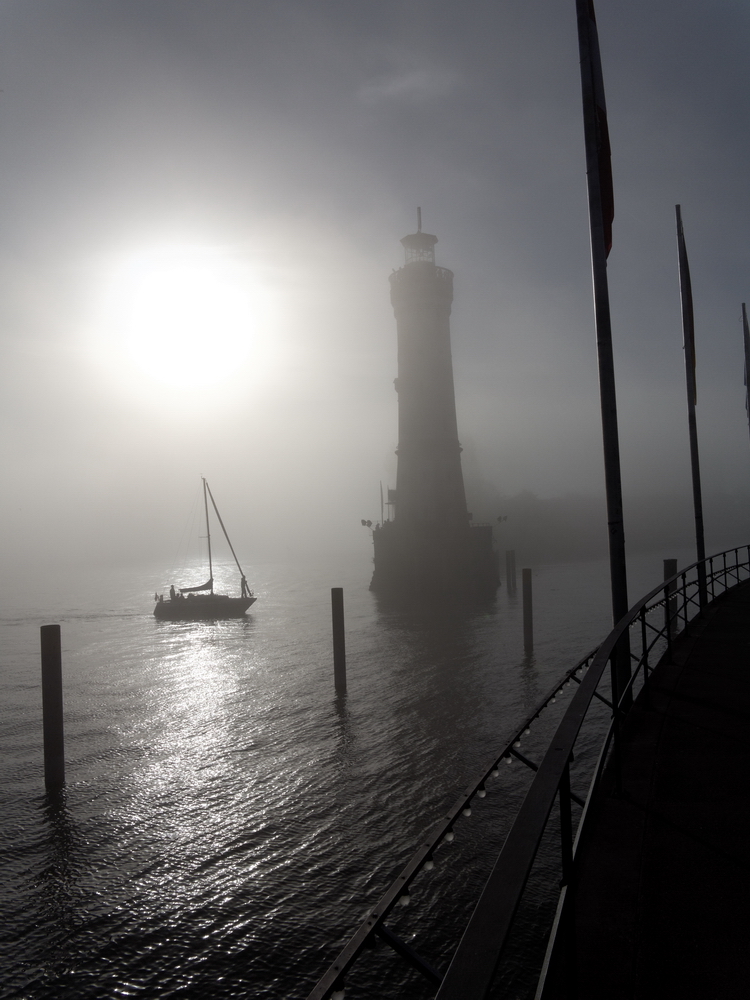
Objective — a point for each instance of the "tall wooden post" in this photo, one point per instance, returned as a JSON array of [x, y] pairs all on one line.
[[339, 646], [52, 708], [510, 570], [528, 613]]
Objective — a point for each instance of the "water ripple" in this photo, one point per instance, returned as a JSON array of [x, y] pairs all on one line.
[[227, 820]]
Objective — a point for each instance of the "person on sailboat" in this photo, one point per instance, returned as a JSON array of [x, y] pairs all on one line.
[[171, 593], [244, 589]]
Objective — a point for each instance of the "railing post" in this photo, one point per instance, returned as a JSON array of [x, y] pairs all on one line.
[[566, 826], [644, 647], [616, 756], [668, 624], [684, 601], [568, 880], [711, 574], [670, 570], [622, 667], [702, 591]]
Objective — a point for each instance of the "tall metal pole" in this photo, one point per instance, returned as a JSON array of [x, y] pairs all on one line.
[[746, 339], [601, 212], [688, 333]]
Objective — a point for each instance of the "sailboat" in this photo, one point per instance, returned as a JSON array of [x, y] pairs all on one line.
[[200, 603]]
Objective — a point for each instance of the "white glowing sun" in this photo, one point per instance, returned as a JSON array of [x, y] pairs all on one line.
[[187, 317]]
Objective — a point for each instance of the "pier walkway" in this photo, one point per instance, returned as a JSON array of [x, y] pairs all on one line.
[[661, 890], [654, 893]]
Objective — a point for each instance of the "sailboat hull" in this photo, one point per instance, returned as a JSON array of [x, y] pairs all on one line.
[[202, 607], [199, 606]]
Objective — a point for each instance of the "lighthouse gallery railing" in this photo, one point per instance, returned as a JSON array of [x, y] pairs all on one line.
[[652, 624]]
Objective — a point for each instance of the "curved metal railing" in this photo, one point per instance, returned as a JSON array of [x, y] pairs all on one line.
[[652, 623]]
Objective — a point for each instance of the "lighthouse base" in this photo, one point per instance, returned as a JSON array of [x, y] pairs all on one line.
[[424, 562]]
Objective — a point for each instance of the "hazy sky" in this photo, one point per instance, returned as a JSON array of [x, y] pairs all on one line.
[[236, 176]]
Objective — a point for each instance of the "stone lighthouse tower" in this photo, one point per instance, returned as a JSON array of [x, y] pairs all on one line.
[[429, 543]]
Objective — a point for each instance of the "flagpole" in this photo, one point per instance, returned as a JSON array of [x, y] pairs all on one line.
[[746, 338], [601, 212], [688, 333]]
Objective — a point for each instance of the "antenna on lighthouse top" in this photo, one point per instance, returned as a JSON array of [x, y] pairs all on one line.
[[419, 246]]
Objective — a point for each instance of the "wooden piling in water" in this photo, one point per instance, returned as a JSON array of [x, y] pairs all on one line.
[[52, 708], [510, 570], [339, 646], [528, 612]]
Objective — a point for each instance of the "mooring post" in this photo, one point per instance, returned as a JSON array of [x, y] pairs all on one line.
[[528, 613], [339, 647], [510, 570], [52, 708]]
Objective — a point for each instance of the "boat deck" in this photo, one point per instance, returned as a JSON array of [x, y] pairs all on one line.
[[662, 896]]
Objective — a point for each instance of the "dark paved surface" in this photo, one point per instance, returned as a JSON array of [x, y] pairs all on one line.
[[663, 894]]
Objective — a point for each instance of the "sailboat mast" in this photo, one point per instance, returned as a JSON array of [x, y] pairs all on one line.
[[229, 542], [208, 536]]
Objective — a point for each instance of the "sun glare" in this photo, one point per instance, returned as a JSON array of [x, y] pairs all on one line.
[[187, 317]]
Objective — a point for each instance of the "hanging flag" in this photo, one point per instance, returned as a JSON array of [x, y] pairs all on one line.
[[688, 326], [688, 334], [595, 110], [601, 214]]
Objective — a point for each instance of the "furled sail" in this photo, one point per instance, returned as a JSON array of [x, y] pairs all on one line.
[[192, 590]]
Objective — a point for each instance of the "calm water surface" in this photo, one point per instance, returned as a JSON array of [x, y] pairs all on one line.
[[227, 821]]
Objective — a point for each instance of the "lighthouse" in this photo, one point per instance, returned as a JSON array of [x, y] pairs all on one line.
[[428, 543]]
